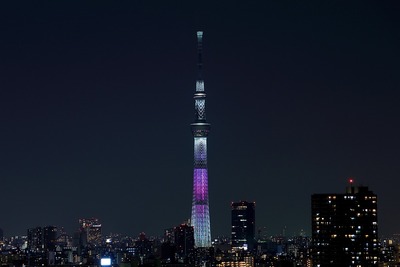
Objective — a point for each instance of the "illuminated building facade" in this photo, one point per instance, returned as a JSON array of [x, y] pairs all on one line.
[[200, 218], [345, 228], [91, 230], [246, 262], [243, 225]]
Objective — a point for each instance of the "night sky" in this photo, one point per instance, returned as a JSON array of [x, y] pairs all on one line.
[[96, 99]]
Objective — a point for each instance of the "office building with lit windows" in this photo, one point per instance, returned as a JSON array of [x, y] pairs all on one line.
[[345, 228], [91, 230], [243, 225], [35, 239]]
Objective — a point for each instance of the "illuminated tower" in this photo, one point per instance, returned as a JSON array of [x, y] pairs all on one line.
[[200, 129]]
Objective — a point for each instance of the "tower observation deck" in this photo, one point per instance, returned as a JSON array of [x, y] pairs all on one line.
[[200, 128]]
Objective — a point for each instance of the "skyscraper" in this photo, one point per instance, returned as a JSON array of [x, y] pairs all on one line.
[[184, 240], [91, 230], [35, 239], [200, 128], [243, 225], [49, 238], [345, 228]]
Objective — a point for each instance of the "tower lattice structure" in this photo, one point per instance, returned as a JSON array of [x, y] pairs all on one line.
[[200, 128]]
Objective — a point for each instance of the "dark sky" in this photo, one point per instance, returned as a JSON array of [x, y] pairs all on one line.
[[96, 102]]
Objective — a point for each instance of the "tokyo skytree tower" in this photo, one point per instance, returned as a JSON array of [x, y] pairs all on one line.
[[200, 128]]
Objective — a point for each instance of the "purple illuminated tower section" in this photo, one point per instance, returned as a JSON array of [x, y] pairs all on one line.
[[200, 129]]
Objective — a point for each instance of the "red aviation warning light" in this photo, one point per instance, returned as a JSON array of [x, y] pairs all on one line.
[[350, 189]]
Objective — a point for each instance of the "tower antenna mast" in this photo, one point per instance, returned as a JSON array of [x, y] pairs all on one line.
[[200, 219]]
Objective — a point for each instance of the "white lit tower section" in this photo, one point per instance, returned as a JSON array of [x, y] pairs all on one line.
[[200, 129]]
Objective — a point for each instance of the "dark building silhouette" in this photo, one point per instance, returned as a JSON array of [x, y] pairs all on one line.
[[41, 245], [1, 234], [168, 251], [35, 239], [169, 235], [243, 225], [184, 240], [143, 246], [49, 238], [345, 228]]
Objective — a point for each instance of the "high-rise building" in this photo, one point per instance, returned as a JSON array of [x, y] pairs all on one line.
[[169, 235], [35, 239], [143, 246], [49, 238], [345, 228], [200, 219], [243, 225], [91, 231], [184, 240]]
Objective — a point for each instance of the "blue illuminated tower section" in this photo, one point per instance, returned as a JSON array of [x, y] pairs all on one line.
[[200, 129]]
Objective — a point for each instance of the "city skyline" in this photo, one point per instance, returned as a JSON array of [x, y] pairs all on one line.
[[301, 96]]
